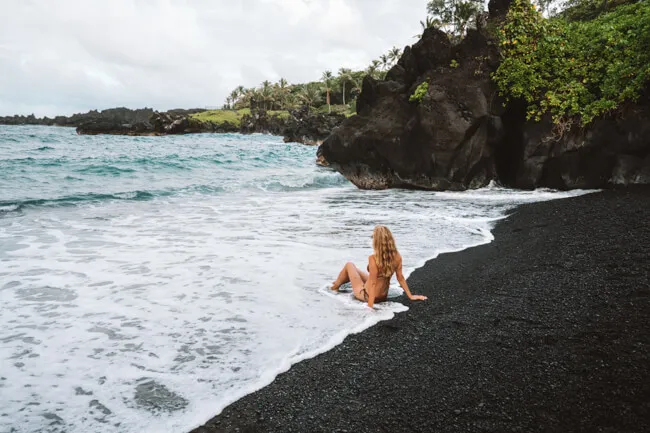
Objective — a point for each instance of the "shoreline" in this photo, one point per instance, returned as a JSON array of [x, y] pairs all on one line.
[[448, 365], [305, 140]]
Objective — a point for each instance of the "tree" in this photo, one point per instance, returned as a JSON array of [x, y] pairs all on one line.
[[290, 101], [283, 91], [356, 87], [455, 15], [372, 70], [310, 96], [345, 76], [241, 90], [384, 61], [327, 79], [267, 93], [394, 54], [234, 97], [248, 99], [428, 23]]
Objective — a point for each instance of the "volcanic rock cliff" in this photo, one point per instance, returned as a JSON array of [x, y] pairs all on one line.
[[461, 136]]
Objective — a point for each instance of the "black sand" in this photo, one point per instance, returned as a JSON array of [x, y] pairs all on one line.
[[547, 329]]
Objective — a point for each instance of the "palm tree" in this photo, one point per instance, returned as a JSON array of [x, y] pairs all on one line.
[[266, 93], [228, 101], [428, 23], [345, 76], [356, 87], [241, 90], [394, 54], [251, 97], [310, 96], [327, 78], [372, 71], [384, 61], [284, 90], [290, 101], [234, 97]]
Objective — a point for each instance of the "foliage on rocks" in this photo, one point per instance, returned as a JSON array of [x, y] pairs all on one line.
[[574, 70], [420, 92]]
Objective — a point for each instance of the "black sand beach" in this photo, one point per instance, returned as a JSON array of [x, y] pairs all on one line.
[[546, 329]]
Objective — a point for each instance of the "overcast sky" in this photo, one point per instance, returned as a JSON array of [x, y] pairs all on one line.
[[66, 56]]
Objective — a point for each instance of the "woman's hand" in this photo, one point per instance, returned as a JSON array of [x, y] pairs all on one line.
[[418, 298]]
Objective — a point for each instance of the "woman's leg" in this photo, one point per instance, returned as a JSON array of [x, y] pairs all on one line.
[[349, 273]]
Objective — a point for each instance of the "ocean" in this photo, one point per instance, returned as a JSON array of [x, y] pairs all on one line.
[[148, 282]]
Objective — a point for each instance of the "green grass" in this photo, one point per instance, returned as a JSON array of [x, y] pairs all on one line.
[[221, 117], [233, 117], [338, 109], [281, 114]]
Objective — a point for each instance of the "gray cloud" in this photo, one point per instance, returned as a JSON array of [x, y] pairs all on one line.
[[64, 56]]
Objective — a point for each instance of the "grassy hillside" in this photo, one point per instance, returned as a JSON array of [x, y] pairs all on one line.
[[231, 117], [223, 118]]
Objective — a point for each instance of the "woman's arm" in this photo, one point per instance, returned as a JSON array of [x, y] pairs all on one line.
[[402, 282], [372, 281]]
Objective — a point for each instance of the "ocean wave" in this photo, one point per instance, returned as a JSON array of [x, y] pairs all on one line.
[[320, 181], [44, 148], [8, 206], [79, 199], [105, 170]]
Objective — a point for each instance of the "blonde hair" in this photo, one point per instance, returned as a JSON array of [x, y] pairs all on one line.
[[385, 251]]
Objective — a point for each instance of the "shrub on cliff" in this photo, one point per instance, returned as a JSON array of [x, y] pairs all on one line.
[[420, 92], [574, 70]]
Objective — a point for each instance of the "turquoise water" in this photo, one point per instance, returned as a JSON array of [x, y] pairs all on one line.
[[54, 166], [147, 282]]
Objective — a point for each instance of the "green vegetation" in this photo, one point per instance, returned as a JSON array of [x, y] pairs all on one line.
[[420, 92], [226, 117], [334, 93], [221, 117], [574, 70], [453, 16], [232, 117], [346, 110]]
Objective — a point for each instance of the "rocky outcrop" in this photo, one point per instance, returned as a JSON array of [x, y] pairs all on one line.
[[26, 120], [460, 136], [613, 150], [307, 127], [446, 141], [117, 116], [141, 122], [300, 125], [260, 121]]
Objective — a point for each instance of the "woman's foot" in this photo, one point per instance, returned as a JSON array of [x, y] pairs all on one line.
[[335, 287]]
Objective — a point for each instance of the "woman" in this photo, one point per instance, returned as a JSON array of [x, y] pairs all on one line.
[[373, 286]]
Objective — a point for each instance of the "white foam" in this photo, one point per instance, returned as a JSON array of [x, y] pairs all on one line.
[[8, 208]]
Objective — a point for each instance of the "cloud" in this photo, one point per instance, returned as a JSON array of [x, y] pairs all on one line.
[[65, 56]]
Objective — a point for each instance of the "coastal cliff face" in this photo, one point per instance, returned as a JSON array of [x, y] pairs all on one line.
[[446, 141], [460, 135], [613, 150]]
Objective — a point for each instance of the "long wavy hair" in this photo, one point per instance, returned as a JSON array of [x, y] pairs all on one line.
[[385, 251]]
